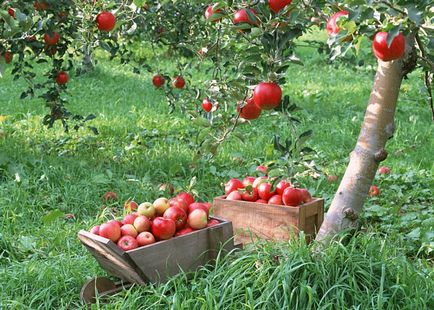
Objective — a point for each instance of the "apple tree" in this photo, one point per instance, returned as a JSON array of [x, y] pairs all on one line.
[[401, 34]]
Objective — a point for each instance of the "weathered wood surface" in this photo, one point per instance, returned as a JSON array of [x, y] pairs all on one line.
[[111, 257], [158, 261], [164, 259], [252, 220]]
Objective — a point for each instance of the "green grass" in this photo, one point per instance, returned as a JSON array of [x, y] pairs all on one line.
[[42, 264]]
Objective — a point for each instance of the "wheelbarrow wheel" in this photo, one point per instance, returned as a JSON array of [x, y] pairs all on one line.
[[99, 286]]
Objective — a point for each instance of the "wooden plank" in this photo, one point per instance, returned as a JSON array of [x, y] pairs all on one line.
[[313, 207], [320, 217], [254, 220], [110, 257], [164, 259]]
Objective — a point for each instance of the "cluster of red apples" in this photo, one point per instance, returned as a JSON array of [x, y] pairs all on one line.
[[163, 219], [105, 21], [260, 190], [381, 49]]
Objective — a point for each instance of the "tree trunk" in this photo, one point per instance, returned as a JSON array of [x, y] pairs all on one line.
[[87, 59], [378, 127]]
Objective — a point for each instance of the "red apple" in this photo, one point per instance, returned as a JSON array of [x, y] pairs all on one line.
[[280, 187], [142, 223], [250, 110], [248, 181], [8, 56], [161, 204], [207, 205], [235, 195], [51, 39], [262, 169], [267, 95], [110, 231], [178, 215], [277, 5], [197, 219], [95, 230], [158, 80], [198, 205], [105, 21], [210, 12], [184, 231], [332, 178], [41, 5], [385, 52], [275, 200], [110, 196], [128, 230], [306, 196], [249, 194], [212, 222], [11, 12], [166, 187], [127, 243], [374, 191], [384, 170], [292, 197], [206, 105], [179, 203], [163, 228], [264, 191], [233, 185], [258, 181], [62, 78], [178, 82], [332, 27], [241, 16], [119, 223], [186, 197], [129, 219], [147, 209], [145, 238], [130, 205]]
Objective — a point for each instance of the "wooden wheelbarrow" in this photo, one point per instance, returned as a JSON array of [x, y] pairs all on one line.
[[153, 263]]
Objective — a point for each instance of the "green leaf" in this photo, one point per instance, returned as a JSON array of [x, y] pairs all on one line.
[[52, 216], [392, 34]]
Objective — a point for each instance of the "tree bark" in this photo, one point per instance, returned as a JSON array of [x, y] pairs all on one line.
[[377, 128]]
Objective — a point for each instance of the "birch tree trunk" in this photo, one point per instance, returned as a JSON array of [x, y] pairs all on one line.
[[377, 128]]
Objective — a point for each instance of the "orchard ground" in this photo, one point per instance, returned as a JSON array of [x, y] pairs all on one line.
[[46, 174]]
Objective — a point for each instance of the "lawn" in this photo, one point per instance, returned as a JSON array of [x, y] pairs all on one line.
[[44, 172]]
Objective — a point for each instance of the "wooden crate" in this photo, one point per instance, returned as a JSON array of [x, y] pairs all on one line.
[[252, 220], [158, 261]]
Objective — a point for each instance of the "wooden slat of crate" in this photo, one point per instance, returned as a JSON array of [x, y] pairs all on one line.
[[111, 258], [252, 220], [164, 259], [158, 261]]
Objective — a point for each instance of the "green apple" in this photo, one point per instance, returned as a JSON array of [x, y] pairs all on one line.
[[146, 209], [161, 205]]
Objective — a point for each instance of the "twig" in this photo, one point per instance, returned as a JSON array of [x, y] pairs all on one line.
[[390, 5], [427, 75]]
